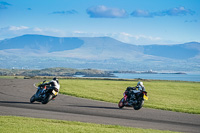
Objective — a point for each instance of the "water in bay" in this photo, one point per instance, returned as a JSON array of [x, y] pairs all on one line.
[[181, 77]]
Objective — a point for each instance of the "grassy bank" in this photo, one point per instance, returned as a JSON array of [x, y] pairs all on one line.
[[165, 95], [12, 124]]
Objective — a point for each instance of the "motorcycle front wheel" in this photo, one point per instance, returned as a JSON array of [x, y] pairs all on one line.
[[121, 103], [32, 99], [139, 104], [47, 99]]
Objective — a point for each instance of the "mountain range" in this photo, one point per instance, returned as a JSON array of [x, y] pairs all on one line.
[[39, 51]]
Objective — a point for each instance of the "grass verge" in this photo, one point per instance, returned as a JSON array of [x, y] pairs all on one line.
[[13, 124], [166, 95]]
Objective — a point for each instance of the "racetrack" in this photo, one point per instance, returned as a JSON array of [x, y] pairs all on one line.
[[15, 95]]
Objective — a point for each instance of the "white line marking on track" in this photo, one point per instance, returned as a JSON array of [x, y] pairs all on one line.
[[35, 85]]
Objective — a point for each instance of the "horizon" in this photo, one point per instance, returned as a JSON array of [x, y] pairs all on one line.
[[134, 22]]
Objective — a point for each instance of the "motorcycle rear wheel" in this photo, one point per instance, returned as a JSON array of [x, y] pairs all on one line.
[[121, 104]]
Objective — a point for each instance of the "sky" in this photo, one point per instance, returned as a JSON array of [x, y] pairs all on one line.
[[139, 22]]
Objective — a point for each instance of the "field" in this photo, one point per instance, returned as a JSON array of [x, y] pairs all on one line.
[[13, 124], [165, 95]]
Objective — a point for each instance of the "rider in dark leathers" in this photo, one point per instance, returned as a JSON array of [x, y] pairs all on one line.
[[131, 90]]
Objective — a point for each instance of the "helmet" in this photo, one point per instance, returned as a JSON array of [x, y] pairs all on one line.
[[140, 84], [55, 79]]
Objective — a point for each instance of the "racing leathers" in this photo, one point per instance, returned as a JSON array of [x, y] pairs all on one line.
[[53, 85], [131, 91]]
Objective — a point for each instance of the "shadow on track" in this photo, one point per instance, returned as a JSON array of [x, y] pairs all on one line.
[[17, 102], [96, 107]]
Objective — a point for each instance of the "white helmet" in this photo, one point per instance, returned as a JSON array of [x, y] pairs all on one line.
[[140, 83]]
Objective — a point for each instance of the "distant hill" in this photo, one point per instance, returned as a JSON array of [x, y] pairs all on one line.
[[181, 51], [38, 42], [39, 51]]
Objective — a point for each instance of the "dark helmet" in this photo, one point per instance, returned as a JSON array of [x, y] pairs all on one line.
[[55, 79]]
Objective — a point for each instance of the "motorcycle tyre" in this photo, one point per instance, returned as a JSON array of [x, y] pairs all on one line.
[[121, 104], [47, 99], [139, 104], [32, 99]]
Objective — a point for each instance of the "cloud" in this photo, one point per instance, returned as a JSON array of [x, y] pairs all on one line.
[[141, 13], [136, 39], [106, 12], [179, 11], [15, 28], [175, 12], [65, 12], [3, 5]]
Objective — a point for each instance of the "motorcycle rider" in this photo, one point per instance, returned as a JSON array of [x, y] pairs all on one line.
[[54, 85], [132, 90]]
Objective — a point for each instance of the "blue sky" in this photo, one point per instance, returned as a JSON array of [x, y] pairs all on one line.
[[138, 22]]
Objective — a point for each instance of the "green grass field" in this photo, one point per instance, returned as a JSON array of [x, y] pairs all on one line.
[[13, 124], [165, 95]]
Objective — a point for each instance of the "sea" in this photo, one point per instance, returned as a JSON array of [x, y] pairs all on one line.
[[158, 76]]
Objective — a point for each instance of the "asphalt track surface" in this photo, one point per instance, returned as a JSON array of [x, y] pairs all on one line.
[[15, 95]]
